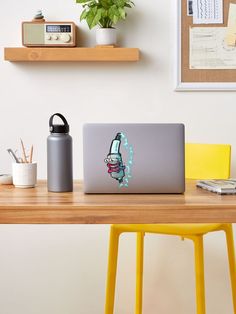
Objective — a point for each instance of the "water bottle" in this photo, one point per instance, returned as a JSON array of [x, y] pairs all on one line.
[[59, 157]]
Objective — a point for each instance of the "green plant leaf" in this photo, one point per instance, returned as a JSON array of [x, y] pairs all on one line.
[[105, 4], [132, 3], [90, 17], [83, 1], [113, 11], [119, 3], [104, 13], [115, 19], [83, 15], [122, 13], [97, 18], [93, 17], [114, 14]]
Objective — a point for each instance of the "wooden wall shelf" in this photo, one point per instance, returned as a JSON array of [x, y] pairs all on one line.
[[71, 54]]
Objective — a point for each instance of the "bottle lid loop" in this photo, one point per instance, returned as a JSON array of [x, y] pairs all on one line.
[[58, 128]]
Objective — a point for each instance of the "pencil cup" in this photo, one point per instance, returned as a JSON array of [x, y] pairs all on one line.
[[24, 175]]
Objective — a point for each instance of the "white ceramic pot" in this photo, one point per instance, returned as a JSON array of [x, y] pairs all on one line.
[[24, 175], [106, 36]]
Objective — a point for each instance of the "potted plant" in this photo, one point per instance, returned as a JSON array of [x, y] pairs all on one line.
[[106, 14]]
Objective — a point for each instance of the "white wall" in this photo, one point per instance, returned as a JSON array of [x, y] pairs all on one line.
[[61, 269]]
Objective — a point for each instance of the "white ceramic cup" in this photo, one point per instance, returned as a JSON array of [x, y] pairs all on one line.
[[24, 175], [106, 36]]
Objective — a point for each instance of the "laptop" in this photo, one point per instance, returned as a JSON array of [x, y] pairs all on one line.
[[133, 158]]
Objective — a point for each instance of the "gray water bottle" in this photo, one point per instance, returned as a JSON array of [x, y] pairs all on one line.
[[59, 157]]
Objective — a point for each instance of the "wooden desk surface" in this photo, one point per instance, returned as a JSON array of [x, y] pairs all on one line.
[[36, 206]]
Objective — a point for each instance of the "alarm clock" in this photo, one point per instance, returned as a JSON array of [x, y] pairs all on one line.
[[48, 34]]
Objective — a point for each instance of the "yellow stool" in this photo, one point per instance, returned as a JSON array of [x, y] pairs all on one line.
[[209, 161]]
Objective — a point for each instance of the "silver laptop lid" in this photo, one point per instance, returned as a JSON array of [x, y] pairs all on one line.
[[133, 158]]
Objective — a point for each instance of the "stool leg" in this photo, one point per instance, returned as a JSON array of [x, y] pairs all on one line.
[[199, 273], [111, 272], [232, 261], [139, 273]]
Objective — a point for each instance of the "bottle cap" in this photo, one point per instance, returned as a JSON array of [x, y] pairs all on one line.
[[58, 128]]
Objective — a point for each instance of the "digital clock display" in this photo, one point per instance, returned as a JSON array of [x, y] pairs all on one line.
[[58, 28]]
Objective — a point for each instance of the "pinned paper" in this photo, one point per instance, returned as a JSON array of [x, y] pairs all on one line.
[[231, 30], [209, 51], [208, 12]]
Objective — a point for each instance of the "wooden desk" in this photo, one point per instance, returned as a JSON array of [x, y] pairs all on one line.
[[37, 206]]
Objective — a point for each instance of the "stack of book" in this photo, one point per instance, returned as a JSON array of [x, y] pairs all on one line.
[[218, 186]]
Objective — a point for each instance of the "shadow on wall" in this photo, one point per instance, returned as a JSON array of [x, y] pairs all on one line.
[[81, 37]]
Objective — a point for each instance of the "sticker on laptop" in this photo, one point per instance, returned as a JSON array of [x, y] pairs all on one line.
[[117, 169]]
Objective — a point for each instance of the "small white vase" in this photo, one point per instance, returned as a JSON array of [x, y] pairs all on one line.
[[24, 175], [106, 36]]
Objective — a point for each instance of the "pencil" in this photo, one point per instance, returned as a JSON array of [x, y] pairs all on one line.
[[23, 150], [31, 153]]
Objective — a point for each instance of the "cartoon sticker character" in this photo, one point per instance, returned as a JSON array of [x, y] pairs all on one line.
[[114, 161]]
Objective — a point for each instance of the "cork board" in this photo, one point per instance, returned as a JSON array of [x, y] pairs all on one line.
[[201, 76]]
